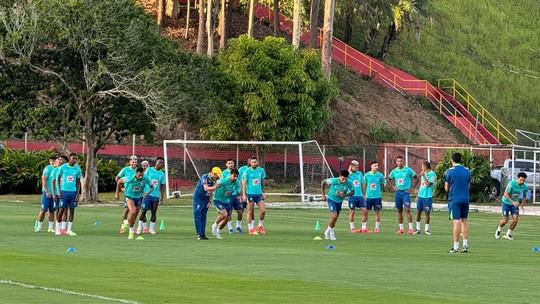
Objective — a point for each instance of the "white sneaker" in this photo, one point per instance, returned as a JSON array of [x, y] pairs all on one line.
[[327, 234], [332, 236], [139, 231], [218, 236], [497, 235], [508, 237], [427, 232], [215, 231]]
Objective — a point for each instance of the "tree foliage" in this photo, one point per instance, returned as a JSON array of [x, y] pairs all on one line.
[[280, 93], [480, 174]]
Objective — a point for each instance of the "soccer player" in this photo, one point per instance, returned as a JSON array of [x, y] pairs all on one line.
[[128, 172], [401, 181], [340, 187], [59, 211], [152, 201], [47, 201], [236, 200], [457, 181], [253, 194], [60, 160], [201, 200], [134, 193], [226, 190], [515, 190], [374, 182], [357, 200], [424, 201], [69, 180]]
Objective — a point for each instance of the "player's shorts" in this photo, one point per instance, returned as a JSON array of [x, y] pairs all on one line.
[[509, 210], [424, 204], [136, 200], [237, 204], [149, 201], [458, 210], [254, 198], [334, 206], [402, 199], [356, 202], [374, 203], [220, 206], [47, 204], [68, 199], [56, 201]]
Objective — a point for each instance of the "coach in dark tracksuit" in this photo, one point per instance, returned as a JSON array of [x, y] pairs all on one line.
[[201, 200]]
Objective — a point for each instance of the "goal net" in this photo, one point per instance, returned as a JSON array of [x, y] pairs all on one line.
[[293, 169]]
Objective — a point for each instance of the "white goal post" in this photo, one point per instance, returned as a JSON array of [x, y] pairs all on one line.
[[292, 168]]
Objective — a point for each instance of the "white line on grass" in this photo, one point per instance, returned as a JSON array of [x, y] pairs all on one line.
[[64, 291]]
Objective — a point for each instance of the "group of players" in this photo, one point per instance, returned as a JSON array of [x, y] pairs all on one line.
[[243, 188]]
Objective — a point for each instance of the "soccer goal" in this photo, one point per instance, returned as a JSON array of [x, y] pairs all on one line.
[[293, 169]]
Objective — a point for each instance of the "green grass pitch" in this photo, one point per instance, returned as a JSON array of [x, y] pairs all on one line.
[[284, 266]]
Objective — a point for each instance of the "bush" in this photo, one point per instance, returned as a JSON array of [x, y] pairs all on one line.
[[106, 170], [20, 172], [480, 174]]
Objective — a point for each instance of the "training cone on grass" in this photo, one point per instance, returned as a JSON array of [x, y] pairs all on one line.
[[330, 247], [536, 249], [71, 250], [317, 226], [162, 225], [97, 223], [317, 238]]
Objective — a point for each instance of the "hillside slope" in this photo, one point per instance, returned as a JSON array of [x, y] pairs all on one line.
[[363, 113]]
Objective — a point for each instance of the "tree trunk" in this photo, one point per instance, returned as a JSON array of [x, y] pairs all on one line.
[[276, 18], [373, 32], [223, 25], [388, 40], [348, 26], [209, 29], [251, 17], [327, 38], [200, 33], [314, 24], [297, 23], [89, 191], [186, 34], [161, 13], [173, 9]]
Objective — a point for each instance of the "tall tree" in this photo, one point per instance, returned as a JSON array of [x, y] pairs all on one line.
[[172, 9], [251, 17], [200, 32], [188, 12], [106, 67], [403, 13], [314, 24], [161, 13], [297, 23], [210, 27], [276, 18], [327, 38], [223, 28]]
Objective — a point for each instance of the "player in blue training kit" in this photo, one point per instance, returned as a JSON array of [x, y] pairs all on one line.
[[201, 200], [152, 201], [457, 182], [401, 181], [47, 192], [253, 193], [515, 191], [340, 188], [236, 199], [356, 201], [128, 172], [226, 188], [424, 201], [69, 180], [373, 185], [134, 192]]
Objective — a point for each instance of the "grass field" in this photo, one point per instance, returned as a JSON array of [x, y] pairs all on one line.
[[285, 265]]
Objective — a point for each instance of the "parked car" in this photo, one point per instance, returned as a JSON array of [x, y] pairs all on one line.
[[502, 175]]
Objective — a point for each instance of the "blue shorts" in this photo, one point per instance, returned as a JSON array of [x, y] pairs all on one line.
[[374, 203], [458, 210], [254, 198], [237, 205], [136, 200], [509, 209], [356, 202], [149, 201], [68, 199], [334, 207], [402, 199], [222, 206], [47, 204], [56, 203], [424, 204]]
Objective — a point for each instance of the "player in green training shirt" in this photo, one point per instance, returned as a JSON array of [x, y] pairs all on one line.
[[515, 191], [226, 190], [47, 192], [374, 182], [128, 171], [340, 188], [152, 201], [424, 200], [357, 200], [401, 181], [69, 179], [253, 193], [236, 199]]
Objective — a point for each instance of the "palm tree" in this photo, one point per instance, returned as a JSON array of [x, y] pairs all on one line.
[[405, 12]]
